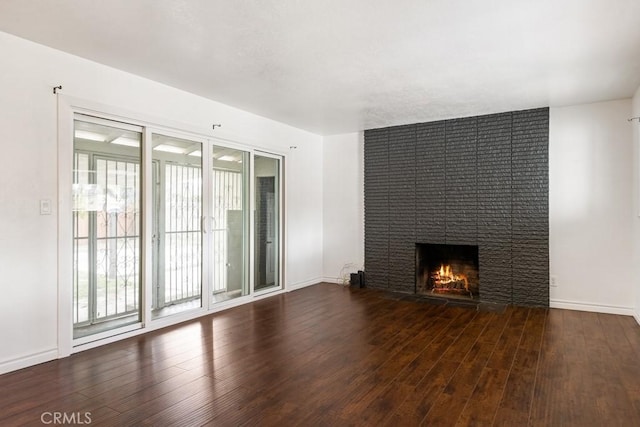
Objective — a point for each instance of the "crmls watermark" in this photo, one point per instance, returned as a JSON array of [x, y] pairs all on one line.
[[68, 418]]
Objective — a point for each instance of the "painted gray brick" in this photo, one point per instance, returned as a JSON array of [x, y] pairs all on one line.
[[476, 180]]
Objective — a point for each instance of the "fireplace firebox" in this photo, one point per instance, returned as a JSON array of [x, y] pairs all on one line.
[[447, 270]]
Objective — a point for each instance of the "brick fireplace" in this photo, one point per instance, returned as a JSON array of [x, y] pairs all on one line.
[[476, 181]]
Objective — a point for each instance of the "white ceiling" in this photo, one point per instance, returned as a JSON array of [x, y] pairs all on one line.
[[336, 66]]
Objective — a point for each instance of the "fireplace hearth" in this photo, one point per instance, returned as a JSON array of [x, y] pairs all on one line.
[[447, 270]]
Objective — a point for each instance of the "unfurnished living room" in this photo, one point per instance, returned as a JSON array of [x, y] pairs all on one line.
[[320, 213]]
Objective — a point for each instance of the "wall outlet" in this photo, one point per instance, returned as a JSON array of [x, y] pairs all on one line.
[[553, 281]]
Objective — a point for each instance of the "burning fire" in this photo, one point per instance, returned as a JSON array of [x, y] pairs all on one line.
[[444, 278]]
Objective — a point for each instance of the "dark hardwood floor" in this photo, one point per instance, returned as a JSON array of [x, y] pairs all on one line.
[[329, 355]]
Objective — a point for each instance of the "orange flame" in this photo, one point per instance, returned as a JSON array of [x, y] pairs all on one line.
[[445, 276]]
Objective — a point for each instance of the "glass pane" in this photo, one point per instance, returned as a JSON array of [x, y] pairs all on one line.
[[267, 223], [177, 218], [106, 227], [229, 226]]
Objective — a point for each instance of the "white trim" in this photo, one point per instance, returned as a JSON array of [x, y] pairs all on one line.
[[282, 230], [263, 292], [205, 232], [98, 120], [251, 180], [335, 280], [284, 224], [106, 334], [146, 248], [29, 360], [636, 316], [596, 308], [300, 285], [637, 178], [65, 227]]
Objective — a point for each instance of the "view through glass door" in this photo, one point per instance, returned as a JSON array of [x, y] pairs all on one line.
[[198, 194], [106, 226], [229, 223], [267, 223], [177, 225]]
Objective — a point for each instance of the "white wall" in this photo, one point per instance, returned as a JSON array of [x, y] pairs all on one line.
[[635, 208], [343, 212], [28, 172], [304, 213], [590, 175]]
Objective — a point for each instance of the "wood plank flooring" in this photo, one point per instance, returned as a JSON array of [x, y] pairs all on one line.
[[329, 355]]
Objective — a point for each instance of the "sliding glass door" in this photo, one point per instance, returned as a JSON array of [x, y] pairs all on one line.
[[185, 223], [193, 198], [229, 234], [267, 222], [177, 219], [106, 226]]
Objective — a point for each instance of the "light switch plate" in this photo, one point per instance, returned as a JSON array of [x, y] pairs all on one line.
[[45, 207]]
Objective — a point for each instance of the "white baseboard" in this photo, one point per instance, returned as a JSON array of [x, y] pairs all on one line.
[[596, 308], [300, 285], [26, 361], [336, 280], [636, 316]]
